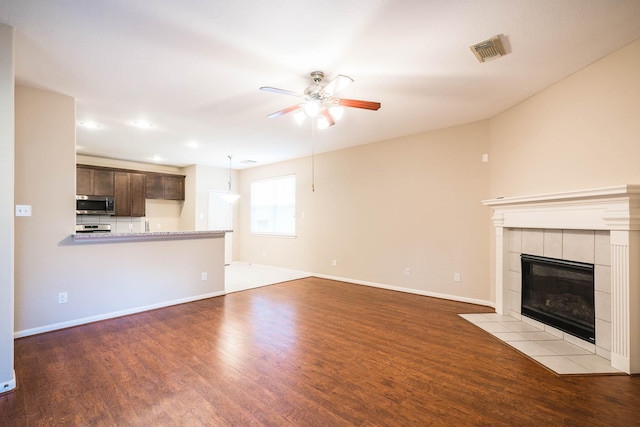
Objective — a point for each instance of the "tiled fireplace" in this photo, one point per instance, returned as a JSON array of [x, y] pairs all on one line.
[[599, 226]]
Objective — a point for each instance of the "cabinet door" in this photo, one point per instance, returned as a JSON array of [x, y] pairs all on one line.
[[137, 191], [84, 181], [155, 186], [129, 193], [103, 182], [174, 187], [122, 194], [94, 182]]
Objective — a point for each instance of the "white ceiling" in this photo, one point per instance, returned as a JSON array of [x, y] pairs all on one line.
[[193, 68]]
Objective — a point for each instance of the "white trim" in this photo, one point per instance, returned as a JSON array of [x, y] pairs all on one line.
[[592, 193], [609, 208], [9, 385], [409, 290], [91, 319]]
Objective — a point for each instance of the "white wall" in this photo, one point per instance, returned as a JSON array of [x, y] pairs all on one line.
[[412, 202], [583, 132], [7, 380]]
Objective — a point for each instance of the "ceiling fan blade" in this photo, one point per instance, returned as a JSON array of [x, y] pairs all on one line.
[[281, 91], [354, 103], [284, 111], [327, 115], [337, 84]]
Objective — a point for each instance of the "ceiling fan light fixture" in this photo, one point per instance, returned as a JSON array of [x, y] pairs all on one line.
[[311, 108], [319, 100]]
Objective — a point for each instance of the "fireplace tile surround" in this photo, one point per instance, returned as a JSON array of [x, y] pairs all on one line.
[[575, 245], [599, 226]]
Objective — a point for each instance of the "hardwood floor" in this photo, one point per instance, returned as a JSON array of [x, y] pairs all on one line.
[[309, 352]]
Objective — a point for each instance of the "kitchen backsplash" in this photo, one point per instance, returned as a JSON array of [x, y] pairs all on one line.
[[118, 224], [162, 215]]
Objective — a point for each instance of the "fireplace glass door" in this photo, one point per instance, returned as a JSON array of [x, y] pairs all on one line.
[[559, 293]]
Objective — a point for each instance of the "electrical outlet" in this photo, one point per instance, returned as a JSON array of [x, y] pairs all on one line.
[[456, 277], [407, 271], [63, 298], [204, 276], [334, 263], [23, 210]]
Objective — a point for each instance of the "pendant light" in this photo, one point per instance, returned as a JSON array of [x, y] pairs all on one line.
[[230, 198]]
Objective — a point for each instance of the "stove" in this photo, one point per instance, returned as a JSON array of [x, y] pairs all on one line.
[[93, 228]]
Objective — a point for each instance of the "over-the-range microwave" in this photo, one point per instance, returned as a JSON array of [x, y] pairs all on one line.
[[94, 205]]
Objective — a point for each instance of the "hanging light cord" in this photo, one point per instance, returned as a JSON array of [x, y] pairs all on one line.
[[229, 191], [313, 156]]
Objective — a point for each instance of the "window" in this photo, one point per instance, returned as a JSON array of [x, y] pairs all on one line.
[[273, 206]]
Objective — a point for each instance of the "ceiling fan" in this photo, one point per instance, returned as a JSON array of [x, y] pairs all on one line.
[[319, 99]]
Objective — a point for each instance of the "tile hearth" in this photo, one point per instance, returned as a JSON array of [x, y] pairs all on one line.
[[549, 350]]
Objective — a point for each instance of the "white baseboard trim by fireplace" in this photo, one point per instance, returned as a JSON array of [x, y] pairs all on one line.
[[409, 290]]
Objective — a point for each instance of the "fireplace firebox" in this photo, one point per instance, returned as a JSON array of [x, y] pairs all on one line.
[[559, 293]]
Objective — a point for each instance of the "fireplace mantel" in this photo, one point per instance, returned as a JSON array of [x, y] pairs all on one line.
[[615, 209], [609, 208]]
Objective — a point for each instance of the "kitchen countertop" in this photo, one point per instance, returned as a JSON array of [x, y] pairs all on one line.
[[156, 235]]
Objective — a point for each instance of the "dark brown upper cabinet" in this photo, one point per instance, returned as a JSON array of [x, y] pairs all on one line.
[[130, 188], [130, 194], [163, 186], [94, 182]]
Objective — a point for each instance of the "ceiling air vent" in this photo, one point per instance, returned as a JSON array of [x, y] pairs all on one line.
[[488, 49]]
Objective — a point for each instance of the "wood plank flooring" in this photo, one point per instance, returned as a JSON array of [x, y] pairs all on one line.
[[309, 352]]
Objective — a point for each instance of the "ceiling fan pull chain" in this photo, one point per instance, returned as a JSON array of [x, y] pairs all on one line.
[[313, 157]]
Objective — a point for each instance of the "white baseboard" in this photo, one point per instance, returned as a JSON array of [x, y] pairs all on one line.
[[410, 290], [77, 322], [9, 385], [105, 316]]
